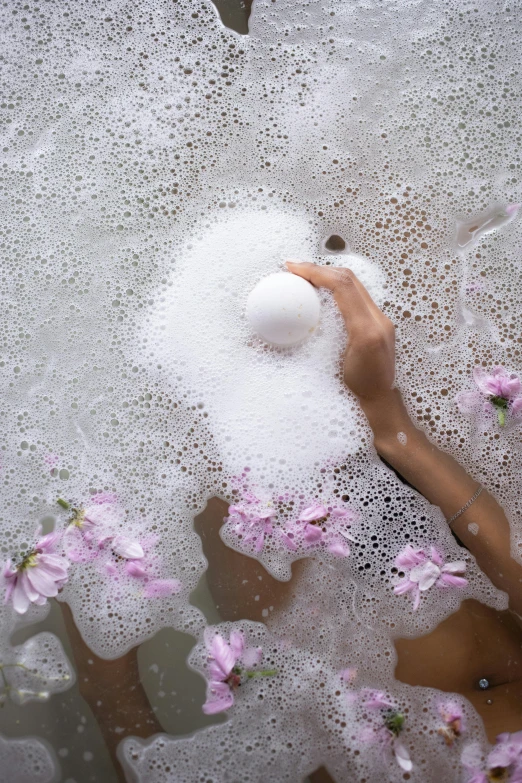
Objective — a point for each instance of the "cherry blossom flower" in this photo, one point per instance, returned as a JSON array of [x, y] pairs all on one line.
[[252, 519], [425, 571], [498, 391], [504, 762], [453, 717], [39, 575], [228, 663], [387, 732], [318, 525]]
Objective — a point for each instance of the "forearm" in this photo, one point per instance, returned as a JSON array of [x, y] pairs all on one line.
[[483, 528], [435, 474]]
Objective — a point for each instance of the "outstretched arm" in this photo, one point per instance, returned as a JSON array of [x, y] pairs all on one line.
[[369, 372]]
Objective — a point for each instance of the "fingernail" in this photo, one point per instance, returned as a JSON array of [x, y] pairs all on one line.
[[292, 261]]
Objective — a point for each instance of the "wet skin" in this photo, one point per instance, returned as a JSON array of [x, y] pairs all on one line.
[[475, 642]]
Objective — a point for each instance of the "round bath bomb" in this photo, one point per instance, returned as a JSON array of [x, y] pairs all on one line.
[[283, 309]]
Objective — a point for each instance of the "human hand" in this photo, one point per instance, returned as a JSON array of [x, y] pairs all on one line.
[[369, 360]]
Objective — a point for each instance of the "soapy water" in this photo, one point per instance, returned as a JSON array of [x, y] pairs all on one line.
[[155, 167]]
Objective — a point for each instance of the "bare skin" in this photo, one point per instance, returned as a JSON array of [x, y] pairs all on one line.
[[476, 641], [473, 643]]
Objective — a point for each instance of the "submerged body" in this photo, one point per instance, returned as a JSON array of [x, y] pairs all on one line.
[[476, 651]]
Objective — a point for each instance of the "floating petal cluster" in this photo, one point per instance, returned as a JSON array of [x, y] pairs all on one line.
[[316, 526], [498, 391], [252, 520], [321, 526], [92, 534], [503, 764], [453, 719], [387, 729], [426, 570], [229, 664]]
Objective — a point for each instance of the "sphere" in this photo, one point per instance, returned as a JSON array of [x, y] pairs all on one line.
[[283, 309]]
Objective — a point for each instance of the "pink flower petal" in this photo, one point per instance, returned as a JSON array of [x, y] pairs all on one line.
[[450, 580], [312, 534], [222, 655], [220, 698], [136, 569], [288, 541], [402, 756], [162, 588], [377, 700], [48, 542], [436, 557], [237, 643], [425, 575], [404, 586], [457, 567], [516, 408], [127, 548], [410, 557], [339, 548], [20, 599], [312, 513], [41, 582], [416, 599]]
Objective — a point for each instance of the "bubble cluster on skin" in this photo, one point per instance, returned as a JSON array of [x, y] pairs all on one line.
[[155, 166]]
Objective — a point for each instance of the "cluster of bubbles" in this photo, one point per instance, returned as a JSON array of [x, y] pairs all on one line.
[[155, 166]]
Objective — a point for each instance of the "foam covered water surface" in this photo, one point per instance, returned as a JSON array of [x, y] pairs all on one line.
[[155, 166]]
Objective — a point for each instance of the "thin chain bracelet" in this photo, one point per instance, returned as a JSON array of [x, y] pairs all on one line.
[[466, 506]]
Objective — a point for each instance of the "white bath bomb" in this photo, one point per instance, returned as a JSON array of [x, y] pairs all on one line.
[[283, 309]]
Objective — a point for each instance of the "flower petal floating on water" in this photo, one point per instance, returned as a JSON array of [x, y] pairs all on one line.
[[161, 588], [127, 548], [225, 671], [38, 576], [504, 762], [499, 390], [425, 571]]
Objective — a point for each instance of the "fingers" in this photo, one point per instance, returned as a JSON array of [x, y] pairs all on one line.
[[354, 302]]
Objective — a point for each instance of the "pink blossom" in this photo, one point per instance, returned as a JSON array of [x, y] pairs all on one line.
[[504, 762], [38, 576], [425, 571], [225, 672], [498, 390], [498, 384], [453, 717]]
